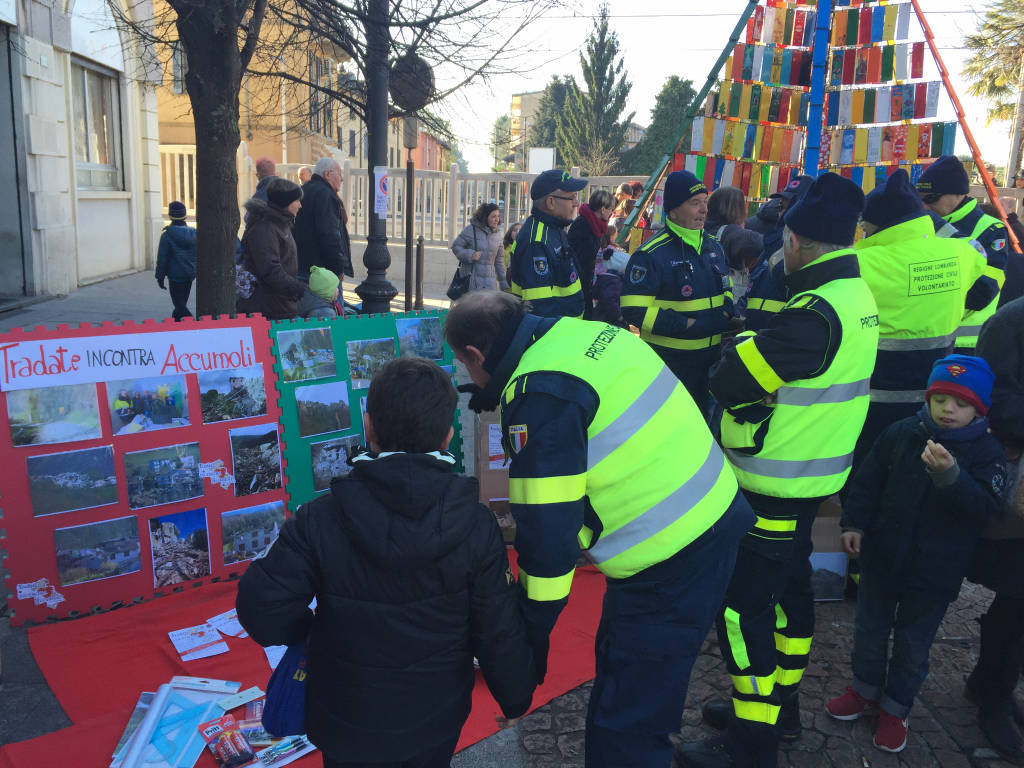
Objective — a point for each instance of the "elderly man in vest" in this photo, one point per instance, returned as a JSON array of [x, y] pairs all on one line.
[[795, 397], [944, 189], [609, 456]]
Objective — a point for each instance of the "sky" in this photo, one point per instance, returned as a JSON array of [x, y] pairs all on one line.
[[660, 38]]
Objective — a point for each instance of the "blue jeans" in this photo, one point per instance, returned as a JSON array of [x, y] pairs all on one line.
[[914, 619], [652, 627]]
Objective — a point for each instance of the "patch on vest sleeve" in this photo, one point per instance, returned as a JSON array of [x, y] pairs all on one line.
[[998, 245], [540, 265], [517, 437], [637, 275]]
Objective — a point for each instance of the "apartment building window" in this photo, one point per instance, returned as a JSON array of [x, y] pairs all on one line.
[[97, 123], [321, 106], [179, 68], [351, 143]]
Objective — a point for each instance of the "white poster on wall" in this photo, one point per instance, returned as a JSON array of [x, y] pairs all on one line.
[[89, 359], [7, 12], [380, 191]]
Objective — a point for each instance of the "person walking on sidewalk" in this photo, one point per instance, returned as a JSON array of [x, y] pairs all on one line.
[[479, 250], [914, 512], [795, 396], [609, 455], [176, 259]]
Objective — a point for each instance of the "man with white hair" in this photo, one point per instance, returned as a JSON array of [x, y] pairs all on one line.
[[320, 232]]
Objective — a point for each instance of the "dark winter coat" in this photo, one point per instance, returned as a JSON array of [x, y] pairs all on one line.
[[321, 236], [584, 244], [260, 193], [268, 251], [412, 580], [919, 529], [767, 219], [176, 254]]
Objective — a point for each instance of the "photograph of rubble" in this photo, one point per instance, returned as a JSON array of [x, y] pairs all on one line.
[[238, 394], [256, 459], [366, 357], [62, 414], [97, 550], [72, 480], [248, 531], [181, 548], [162, 475], [330, 460], [307, 354]]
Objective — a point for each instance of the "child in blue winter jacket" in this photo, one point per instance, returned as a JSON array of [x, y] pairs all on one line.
[[914, 513], [176, 259]]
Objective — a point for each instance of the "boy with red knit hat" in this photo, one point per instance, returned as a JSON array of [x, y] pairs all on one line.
[[914, 513]]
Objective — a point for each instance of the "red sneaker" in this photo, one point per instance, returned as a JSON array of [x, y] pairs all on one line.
[[891, 733], [850, 706]]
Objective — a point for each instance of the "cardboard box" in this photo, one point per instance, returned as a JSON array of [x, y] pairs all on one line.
[[828, 561], [492, 472]]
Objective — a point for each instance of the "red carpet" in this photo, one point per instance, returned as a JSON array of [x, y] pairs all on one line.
[[97, 666]]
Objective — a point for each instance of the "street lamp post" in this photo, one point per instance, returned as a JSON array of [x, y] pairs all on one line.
[[376, 291]]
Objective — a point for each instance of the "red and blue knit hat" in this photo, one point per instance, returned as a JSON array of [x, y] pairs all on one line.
[[964, 376]]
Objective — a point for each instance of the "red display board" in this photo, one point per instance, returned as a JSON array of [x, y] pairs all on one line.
[[139, 459]]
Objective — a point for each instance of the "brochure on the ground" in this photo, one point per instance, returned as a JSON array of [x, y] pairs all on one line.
[[198, 642], [227, 624]]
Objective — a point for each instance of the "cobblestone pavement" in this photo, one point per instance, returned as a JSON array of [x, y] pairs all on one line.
[[943, 728]]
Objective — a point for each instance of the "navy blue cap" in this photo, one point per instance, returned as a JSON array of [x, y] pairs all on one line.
[[680, 186], [552, 181], [828, 211], [893, 202], [796, 187], [946, 176], [177, 211]]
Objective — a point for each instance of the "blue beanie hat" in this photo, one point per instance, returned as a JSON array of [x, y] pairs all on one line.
[[828, 211], [893, 203], [177, 211], [680, 186], [964, 376], [946, 176]]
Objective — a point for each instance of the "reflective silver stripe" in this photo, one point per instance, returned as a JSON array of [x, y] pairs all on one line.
[[967, 330], [837, 393], [790, 470], [662, 514], [897, 395], [912, 345], [639, 412], [947, 230]]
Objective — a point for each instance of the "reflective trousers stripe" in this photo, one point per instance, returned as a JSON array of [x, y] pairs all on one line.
[[639, 412], [897, 395], [547, 490], [671, 343], [781, 526], [792, 646], [752, 685], [664, 513], [692, 305], [914, 345], [733, 632], [788, 470], [756, 711], [837, 393], [545, 588], [788, 676], [758, 367]]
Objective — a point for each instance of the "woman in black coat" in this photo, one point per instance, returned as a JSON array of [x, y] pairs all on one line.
[[584, 238]]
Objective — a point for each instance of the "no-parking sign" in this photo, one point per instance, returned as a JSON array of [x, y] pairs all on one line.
[[380, 191]]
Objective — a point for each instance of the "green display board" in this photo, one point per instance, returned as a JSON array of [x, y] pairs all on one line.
[[324, 368]]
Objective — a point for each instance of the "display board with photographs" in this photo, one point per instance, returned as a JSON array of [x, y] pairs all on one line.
[[322, 414], [129, 450]]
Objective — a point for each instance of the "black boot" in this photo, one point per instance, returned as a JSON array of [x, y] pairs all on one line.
[[710, 753], [997, 725], [993, 680], [973, 693], [717, 713], [789, 727]]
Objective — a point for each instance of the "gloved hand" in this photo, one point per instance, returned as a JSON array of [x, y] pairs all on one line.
[[478, 401], [160, 282]]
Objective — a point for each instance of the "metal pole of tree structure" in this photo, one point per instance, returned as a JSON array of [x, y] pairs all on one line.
[[1016, 129], [375, 291]]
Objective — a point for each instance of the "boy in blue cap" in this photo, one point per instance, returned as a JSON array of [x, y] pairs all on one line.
[[176, 258], [915, 511]]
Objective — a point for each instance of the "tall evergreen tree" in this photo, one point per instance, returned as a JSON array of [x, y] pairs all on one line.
[[591, 128], [501, 142], [541, 132], [666, 118]]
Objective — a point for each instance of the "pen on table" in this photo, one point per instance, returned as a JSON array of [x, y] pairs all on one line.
[[276, 750]]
